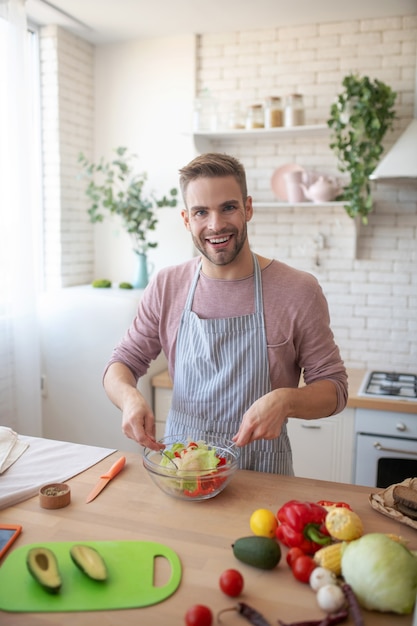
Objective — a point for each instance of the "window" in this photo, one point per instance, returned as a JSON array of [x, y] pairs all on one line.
[[19, 222]]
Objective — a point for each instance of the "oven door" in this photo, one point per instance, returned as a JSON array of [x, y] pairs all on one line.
[[384, 461]]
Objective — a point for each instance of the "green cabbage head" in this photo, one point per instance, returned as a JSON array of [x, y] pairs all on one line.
[[381, 572]]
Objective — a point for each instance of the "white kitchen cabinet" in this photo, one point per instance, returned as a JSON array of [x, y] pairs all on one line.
[[324, 448], [79, 328]]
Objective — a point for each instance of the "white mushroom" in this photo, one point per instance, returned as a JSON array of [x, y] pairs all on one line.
[[331, 598], [321, 576]]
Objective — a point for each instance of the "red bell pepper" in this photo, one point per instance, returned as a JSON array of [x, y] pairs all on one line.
[[198, 491], [330, 503], [301, 525], [205, 487], [208, 485]]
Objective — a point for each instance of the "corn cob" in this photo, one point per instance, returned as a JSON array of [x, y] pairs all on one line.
[[330, 557], [343, 524], [397, 538]]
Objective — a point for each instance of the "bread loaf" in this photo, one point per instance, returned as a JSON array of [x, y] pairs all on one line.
[[405, 501]]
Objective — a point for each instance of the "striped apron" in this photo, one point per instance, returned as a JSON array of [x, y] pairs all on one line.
[[221, 368]]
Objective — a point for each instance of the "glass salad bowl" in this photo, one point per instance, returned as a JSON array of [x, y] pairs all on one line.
[[192, 470]]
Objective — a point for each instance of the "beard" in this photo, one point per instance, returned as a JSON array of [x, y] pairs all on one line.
[[222, 256]]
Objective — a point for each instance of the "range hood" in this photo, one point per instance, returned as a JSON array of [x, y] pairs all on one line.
[[401, 160]]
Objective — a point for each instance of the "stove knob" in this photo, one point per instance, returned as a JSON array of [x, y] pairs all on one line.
[[401, 427]]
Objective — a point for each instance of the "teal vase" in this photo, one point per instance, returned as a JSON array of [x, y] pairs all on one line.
[[142, 276]]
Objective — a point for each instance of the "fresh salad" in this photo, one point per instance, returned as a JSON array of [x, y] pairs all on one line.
[[197, 467]]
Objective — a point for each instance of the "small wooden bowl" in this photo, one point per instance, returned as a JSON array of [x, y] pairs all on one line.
[[54, 496]]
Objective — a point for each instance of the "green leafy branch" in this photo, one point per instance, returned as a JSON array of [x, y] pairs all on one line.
[[115, 189], [359, 120]]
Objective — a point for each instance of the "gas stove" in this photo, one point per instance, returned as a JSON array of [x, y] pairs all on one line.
[[390, 385]]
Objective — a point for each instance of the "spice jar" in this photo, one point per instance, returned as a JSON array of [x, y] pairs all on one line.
[[273, 112], [255, 116], [294, 110]]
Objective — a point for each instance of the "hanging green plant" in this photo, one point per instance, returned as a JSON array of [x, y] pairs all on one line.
[[113, 187], [359, 119]]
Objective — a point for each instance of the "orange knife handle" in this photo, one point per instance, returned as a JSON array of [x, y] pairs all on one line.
[[115, 468]]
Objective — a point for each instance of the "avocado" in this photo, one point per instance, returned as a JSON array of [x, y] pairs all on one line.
[[101, 283], [89, 561], [261, 552], [125, 286], [43, 566]]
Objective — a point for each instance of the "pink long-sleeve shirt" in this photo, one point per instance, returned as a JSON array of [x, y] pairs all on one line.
[[297, 322]]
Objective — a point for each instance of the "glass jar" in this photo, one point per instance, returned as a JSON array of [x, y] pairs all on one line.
[[236, 117], [255, 116], [294, 110], [273, 112], [205, 115]]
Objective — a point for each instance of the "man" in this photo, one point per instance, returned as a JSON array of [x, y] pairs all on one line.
[[237, 330]]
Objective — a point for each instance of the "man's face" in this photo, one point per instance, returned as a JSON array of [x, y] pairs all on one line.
[[217, 217]]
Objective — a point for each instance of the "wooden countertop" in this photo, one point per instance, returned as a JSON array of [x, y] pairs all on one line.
[[355, 376], [132, 508]]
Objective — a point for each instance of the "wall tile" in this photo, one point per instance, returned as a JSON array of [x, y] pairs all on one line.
[[67, 70]]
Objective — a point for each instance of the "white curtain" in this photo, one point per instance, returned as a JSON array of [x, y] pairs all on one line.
[[20, 398]]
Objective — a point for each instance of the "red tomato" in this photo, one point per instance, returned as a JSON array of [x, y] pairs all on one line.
[[293, 554], [302, 568], [199, 615], [231, 582]]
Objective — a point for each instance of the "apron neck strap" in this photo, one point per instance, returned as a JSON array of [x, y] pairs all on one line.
[[257, 284]]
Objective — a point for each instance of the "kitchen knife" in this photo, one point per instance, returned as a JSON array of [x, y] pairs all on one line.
[[105, 478]]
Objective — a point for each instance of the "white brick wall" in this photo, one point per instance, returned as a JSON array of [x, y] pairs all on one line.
[[373, 295], [67, 128]]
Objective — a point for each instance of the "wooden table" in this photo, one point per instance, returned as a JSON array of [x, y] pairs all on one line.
[[132, 508]]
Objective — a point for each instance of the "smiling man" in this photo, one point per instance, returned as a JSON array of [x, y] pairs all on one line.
[[237, 330]]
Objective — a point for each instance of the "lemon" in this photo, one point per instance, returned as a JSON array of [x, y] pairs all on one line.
[[263, 523]]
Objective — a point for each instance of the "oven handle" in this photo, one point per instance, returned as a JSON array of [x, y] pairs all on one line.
[[379, 446]]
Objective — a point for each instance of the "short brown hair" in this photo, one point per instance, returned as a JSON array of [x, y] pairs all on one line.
[[213, 165]]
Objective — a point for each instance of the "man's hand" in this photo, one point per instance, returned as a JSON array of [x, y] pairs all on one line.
[[138, 420], [264, 419]]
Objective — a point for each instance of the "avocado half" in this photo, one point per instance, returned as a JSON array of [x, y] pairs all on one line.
[[43, 566], [89, 561]]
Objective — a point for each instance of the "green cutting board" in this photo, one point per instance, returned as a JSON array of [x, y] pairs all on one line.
[[130, 583]]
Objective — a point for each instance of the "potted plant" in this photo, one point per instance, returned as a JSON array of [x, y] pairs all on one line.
[[114, 188], [359, 119]]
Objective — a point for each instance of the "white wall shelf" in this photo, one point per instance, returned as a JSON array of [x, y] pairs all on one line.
[[203, 139], [276, 204], [263, 133]]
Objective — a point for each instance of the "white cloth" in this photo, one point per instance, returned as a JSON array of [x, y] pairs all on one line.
[[11, 447], [45, 461]]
